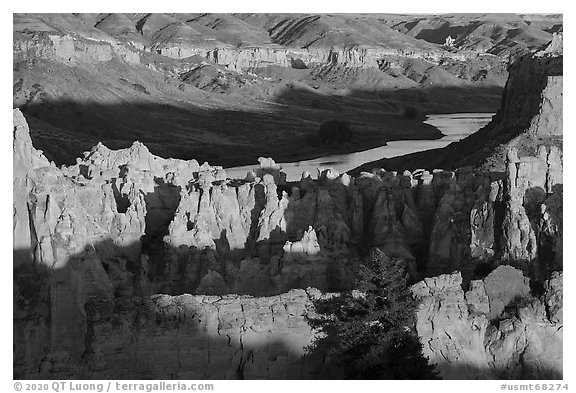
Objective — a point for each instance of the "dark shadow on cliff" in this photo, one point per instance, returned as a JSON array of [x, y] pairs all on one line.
[[96, 308], [98, 315], [99, 334], [90, 318]]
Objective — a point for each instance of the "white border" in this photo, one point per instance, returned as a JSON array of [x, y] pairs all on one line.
[[300, 6]]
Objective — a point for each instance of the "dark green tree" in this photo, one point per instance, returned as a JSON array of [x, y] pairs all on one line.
[[335, 131], [411, 113], [370, 334]]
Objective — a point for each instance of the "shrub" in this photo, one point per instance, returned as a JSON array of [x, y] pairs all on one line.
[[516, 304], [335, 131], [139, 88], [372, 336], [411, 113]]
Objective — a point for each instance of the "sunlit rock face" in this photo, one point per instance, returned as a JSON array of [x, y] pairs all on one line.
[[455, 220], [25, 158], [200, 231], [492, 331], [202, 337], [244, 236], [354, 57], [74, 49], [193, 337]]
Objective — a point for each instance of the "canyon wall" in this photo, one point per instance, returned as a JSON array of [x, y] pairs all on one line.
[[193, 337], [74, 49], [111, 232], [533, 93], [126, 256], [204, 233], [495, 330], [243, 59]]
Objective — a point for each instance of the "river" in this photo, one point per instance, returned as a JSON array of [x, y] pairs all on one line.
[[454, 126]]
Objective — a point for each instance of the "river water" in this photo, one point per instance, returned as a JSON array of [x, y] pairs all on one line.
[[454, 126]]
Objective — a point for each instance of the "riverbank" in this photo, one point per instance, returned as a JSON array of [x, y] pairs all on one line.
[[453, 126], [376, 118], [233, 130]]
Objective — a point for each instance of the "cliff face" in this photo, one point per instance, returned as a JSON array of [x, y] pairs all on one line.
[[356, 56], [26, 158], [195, 337], [533, 94], [495, 330], [121, 226], [73, 40], [72, 49], [457, 220]]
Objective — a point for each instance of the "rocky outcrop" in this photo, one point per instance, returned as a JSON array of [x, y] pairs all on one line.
[[25, 159], [72, 49], [196, 337], [75, 233], [440, 221], [236, 233], [61, 215], [487, 334], [533, 92], [454, 220], [188, 217], [120, 226], [126, 223], [257, 57], [530, 181]]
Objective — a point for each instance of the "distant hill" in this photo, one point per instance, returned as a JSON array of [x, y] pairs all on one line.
[[232, 87]]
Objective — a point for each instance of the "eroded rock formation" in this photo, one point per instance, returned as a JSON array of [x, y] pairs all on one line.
[[495, 330], [195, 337], [121, 226]]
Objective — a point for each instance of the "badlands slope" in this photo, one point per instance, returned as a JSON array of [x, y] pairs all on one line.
[[232, 87]]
